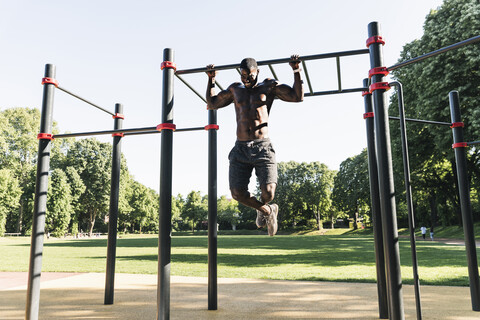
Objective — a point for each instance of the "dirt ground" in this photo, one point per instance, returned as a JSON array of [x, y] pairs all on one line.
[[80, 296]]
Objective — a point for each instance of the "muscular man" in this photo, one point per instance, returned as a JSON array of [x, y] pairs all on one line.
[[253, 148]]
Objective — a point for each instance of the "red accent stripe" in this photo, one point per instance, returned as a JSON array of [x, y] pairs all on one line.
[[368, 115], [379, 85], [121, 134], [364, 93], [457, 124], [459, 145], [50, 81], [379, 70], [118, 116], [375, 39], [46, 136], [212, 126], [168, 64], [168, 126]]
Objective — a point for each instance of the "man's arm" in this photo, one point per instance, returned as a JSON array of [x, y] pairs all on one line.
[[287, 93], [220, 100]]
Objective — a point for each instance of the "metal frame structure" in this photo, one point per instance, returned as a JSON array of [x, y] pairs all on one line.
[[43, 167], [389, 283]]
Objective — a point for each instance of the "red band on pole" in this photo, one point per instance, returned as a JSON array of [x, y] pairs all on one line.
[[379, 85], [379, 70], [364, 93], [168, 64], [50, 81], [46, 136], [368, 115], [459, 145], [375, 39], [118, 116], [121, 134], [212, 126], [168, 126], [457, 124]]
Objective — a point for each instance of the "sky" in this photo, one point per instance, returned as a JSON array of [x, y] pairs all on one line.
[[110, 52]]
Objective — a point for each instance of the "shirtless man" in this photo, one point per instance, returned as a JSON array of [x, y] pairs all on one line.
[[253, 148]]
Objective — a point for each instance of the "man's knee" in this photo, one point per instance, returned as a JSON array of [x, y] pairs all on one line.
[[239, 194], [268, 192]]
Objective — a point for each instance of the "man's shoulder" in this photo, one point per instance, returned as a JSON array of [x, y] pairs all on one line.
[[236, 85], [270, 81]]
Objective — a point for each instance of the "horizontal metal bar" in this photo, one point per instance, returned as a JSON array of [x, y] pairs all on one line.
[[473, 143], [434, 53], [323, 93], [190, 129], [85, 100], [422, 121], [191, 88], [282, 60], [97, 133]]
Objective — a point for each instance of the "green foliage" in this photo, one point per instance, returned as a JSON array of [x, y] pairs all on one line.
[[9, 196], [303, 193], [195, 209], [426, 87], [59, 204], [228, 212], [351, 193]]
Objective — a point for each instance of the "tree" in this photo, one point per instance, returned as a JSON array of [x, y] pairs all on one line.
[[303, 193], [144, 207], [195, 209], [351, 192], [9, 196], [426, 86], [228, 212], [92, 160], [59, 204]]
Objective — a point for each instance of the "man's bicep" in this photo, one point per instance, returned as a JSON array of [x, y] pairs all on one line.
[[285, 92], [224, 98]]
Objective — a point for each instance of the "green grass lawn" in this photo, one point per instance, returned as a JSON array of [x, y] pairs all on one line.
[[331, 257]]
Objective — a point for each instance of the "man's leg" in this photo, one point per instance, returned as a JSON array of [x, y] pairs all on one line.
[[244, 197]]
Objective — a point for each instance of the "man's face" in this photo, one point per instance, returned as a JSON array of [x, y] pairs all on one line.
[[249, 77]]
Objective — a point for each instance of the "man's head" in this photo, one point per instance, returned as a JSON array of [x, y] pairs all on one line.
[[249, 72]]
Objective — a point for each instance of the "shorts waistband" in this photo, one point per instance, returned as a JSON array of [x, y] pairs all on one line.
[[252, 142]]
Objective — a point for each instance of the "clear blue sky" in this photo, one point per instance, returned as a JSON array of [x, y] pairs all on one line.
[[110, 52]]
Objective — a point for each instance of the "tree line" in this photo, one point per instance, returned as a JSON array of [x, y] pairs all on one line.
[[309, 195]]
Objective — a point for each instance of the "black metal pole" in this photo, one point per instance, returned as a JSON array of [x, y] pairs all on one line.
[[165, 211], [465, 204], [212, 212], [408, 190], [386, 183], [113, 212], [40, 206], [375, 202]]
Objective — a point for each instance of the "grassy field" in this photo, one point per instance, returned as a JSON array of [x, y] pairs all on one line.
[[312, 257]]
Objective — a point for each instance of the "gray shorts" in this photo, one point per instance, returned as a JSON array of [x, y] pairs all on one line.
[[245, 156]]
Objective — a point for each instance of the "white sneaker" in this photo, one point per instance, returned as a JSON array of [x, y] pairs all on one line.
[[261, 219], [272, 223]]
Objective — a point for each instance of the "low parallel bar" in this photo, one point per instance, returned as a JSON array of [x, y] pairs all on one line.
[[85, 100], [422, 121], [473, 143], [133, 131], [434, 53], [282, 60]]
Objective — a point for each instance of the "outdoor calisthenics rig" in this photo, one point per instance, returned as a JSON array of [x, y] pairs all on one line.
[[389, 282]]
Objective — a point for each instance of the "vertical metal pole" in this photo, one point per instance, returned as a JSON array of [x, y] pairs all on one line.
[[165, 211], [386, 184], [113, 212], [408, 190], [212, 212], [465, 204], [375, 202], [40, 206]]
